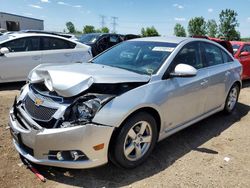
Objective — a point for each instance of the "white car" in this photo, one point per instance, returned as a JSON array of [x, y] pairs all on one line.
[[21, 52]]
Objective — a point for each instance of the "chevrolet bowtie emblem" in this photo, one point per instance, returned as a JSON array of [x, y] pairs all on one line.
[[38, 102]]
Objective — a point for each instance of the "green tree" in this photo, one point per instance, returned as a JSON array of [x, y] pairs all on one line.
[[89, 29], [105, 30], [228, 24], [70, 26], [197, 26], [212, 28], [179, 30], [149, 31]]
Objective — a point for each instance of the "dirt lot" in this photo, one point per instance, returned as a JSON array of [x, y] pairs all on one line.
[[193, 157]]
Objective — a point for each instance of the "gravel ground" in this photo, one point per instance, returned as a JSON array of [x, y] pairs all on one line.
[[194, 157]]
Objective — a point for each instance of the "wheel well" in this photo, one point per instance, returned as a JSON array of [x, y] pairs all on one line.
[[238, 83], [149, 110]]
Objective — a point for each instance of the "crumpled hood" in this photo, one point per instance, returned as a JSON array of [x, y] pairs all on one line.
[[72, 79]]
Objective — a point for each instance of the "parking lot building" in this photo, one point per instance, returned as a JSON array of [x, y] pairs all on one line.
[[12, 22]]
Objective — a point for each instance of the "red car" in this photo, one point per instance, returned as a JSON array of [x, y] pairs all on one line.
[[242, 53]]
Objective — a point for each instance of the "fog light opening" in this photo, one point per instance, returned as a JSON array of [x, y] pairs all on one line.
[[74, 155], [59, 156]]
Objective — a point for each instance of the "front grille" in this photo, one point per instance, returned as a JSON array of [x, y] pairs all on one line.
[[40, 113]]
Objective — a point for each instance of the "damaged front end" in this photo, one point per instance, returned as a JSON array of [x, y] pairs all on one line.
[[58, 131]]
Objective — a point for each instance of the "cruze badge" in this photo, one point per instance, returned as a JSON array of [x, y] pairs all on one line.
[[38, 102]]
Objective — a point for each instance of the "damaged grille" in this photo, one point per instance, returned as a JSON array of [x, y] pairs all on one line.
[[40, 113]]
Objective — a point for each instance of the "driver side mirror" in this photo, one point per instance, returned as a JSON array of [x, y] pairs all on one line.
[[244, 53], [184, 70], [4, 51]]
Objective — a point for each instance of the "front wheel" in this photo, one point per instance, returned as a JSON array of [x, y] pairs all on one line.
[[232, 99], [135, 141]]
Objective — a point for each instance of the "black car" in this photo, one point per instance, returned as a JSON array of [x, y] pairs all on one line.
[[99, 42]]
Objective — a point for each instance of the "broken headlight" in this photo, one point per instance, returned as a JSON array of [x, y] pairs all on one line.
[[88, 109], [84, 108]]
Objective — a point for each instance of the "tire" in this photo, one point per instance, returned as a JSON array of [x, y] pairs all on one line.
[[232, 99], [135, 141]]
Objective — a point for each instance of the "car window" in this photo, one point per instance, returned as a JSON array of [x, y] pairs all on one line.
[[213, 54], [235, 48], [23, 44], [137, 56], [226, 57], [246, 48], [50, 43], [190, 55], [114, 39]]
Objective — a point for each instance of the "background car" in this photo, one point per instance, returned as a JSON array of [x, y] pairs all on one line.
[[100, 42], [242, 53], [119, 105], [21, 52]]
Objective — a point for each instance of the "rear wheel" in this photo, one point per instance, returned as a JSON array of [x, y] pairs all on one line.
[[232, 99], [135, 141]]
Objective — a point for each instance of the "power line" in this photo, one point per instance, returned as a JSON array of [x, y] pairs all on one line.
[[102, 21], [114, 23]]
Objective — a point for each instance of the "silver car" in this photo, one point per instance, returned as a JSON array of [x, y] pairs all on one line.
[[119, 105]]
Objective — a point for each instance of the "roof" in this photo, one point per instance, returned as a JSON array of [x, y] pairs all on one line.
[[176, 40], [21, 16], [239, 42]]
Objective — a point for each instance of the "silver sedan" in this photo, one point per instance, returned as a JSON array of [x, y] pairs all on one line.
[[121, 103]]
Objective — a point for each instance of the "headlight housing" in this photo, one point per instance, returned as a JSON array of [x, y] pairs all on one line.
[[84, 108], [88, 109]]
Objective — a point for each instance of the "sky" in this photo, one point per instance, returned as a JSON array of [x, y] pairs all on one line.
[[131, 15]]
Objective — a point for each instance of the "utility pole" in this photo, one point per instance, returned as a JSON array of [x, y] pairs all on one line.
[[114, 23], [102, 21]]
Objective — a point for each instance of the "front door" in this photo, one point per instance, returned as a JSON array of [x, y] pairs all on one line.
[[25, 54]]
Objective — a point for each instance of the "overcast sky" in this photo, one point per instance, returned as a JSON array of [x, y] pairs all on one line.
[[132, 14]]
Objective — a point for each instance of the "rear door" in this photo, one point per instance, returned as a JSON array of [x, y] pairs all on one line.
[[25, 54], [219, 70], [56, 50]]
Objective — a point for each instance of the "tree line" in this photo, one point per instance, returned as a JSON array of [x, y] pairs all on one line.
[[226, 27], [86, 29], [197, 26]]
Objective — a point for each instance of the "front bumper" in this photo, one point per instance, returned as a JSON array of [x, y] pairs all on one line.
[[34, 143]]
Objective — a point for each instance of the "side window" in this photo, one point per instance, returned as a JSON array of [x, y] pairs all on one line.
[[50, 43], [23, 44], [213, 54], [190, 55], [246, 48], [226, 57], [114, 39]]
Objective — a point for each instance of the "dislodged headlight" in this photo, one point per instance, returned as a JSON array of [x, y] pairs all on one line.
[[84, 108], [88, 109]]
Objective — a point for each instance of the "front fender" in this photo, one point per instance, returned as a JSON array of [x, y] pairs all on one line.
[[118, 109]]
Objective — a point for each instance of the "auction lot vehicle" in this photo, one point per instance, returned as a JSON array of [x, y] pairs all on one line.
[[119, 105], [21, 52], [100, 42], [242, 53]]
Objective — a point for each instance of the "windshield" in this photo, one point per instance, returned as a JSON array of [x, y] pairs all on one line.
[[137, 56], [89, 38], [236, 48]]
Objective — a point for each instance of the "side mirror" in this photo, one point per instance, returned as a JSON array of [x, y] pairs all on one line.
[[184, 70], [4, 51], [244, 53]]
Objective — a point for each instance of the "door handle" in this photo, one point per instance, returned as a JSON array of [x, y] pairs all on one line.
[[36, 57], [204, 82]]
